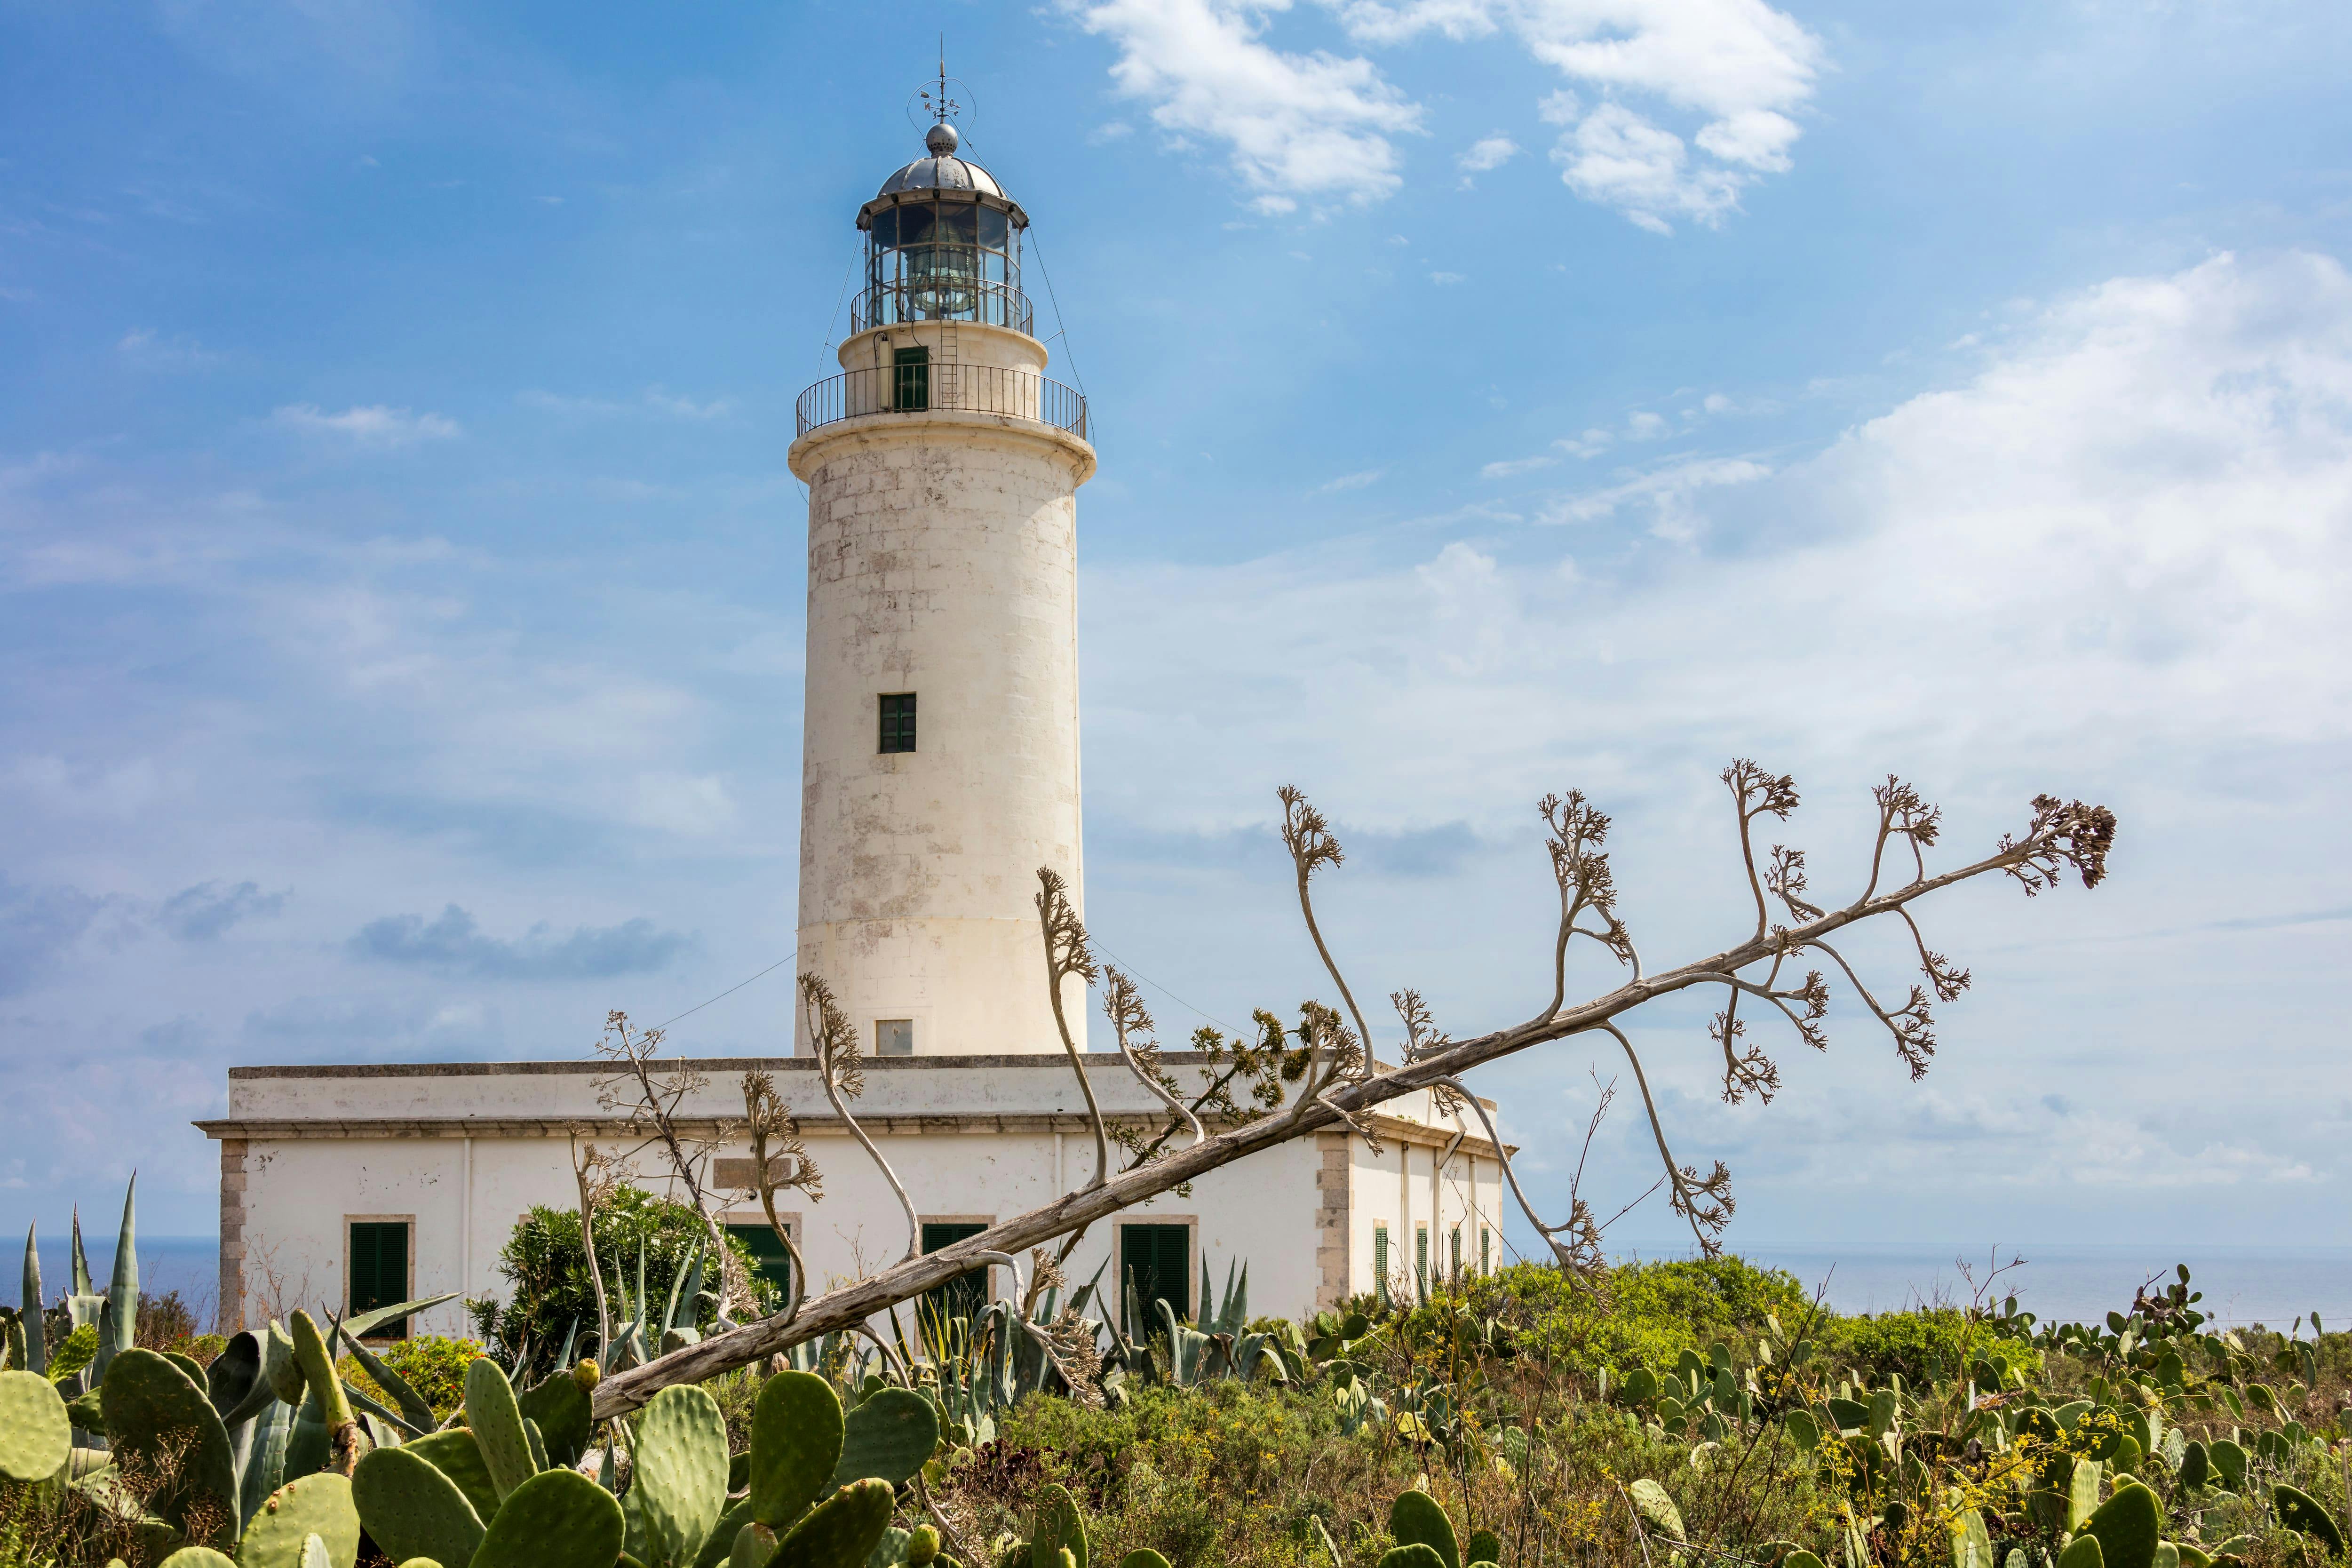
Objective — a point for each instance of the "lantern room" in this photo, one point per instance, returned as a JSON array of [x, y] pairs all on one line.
[[943, 244]]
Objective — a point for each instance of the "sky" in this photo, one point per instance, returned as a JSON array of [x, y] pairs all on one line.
[[401, 581]]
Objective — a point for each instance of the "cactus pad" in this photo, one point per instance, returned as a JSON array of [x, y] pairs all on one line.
[[796, 1441], [317, 1505], [278, 1366], [1143, 1557], [1416, 1516], [755, 1543], [557, 1519], [717, 1548], [199, 1557], [1060, 1527], [841, 1531], [680, 1480], [455, 1454], [1484, 1547], [2128, 1526], [2082, 1552], [35, 1436], [411, 1509], [889, 1437], [559, 1405], [1419, 1554], [922, 1545], [153, 1408], [2301, 1510], [496, 1423]]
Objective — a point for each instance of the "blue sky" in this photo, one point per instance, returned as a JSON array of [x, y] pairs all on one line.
[[401, 592]]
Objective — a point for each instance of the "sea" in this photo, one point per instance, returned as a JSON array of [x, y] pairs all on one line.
[[2242, 1286], [2273, 1285]]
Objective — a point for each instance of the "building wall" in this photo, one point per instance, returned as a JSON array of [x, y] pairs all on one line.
[[943, 562], [462, 1150]]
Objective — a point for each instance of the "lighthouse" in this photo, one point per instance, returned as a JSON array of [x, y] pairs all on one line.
[[940, 772], [940, 754]]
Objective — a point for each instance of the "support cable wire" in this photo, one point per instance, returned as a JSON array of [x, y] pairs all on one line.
[[730, 991], [1062, 330]]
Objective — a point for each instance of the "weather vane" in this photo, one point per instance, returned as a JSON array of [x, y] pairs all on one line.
[[939, 106]]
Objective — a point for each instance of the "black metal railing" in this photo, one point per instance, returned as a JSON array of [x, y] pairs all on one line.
[[957, 388], [942, 299]]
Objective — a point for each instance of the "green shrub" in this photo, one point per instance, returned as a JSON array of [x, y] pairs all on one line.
[[1913, 1344], [548, 1270], [1639, 1312], [433, 1365]]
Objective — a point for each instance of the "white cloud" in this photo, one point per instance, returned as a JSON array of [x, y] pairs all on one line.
[[1591, 444], [1510, 468], [148, 351], [1643, 426], [1488, 152], [2111, 563], [1668, 492], [372, 426], [1739, 66], [1355, 481], [1313, 125], [1446, 279]]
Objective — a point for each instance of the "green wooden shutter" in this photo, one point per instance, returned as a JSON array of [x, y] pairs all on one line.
[[911, 390], [1381, 1262], [1486, 1250], [772, 1262], [379, 1271], [967, 1293], [1457, 1252], [1155, 1264]]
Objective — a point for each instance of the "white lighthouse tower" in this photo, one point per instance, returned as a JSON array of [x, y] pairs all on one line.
[[940, 765]]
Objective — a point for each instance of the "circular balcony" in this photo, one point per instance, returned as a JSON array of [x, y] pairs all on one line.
[[926, 299], [950, 388]]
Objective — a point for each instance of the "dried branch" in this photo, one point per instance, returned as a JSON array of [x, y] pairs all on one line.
[[842, 1072], [1754, 792], [776, 1136], [1339, 1054], [1067, 953], [1579, 1254], [648, 1101], [1579, 828], [1131, 1026], [2061, 837]]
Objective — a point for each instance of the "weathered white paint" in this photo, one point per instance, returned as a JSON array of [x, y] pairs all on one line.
[[942, 551]]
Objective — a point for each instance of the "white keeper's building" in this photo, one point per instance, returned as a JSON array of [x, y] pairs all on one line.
[[940, 770]]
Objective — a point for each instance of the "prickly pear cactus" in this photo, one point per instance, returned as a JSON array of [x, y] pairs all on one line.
[[922, 1545], [559, 1405], [2082, 1552], [2300, 1511], [796, 1442], [496, 1423], [1143, 1557], [755, 1543], [153, 1408], [456, 1456], [2128, 1526], [199, 1557], [1060, 1528], [1417, 1555], [35, 1436], [411, 1509], [680, 1481], [841, 1531], [557, 1519], [1416, 1516], [889, 1435], [317, 1505], [1484, 1547]]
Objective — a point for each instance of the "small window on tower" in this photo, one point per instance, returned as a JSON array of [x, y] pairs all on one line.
[[894, 1036], [899, 721]]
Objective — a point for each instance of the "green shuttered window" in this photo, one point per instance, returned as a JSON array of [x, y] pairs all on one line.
[[1155, 1262], [1381, 1263], [379, 1271], [897, 722], [774, 1264], [967, 1293]]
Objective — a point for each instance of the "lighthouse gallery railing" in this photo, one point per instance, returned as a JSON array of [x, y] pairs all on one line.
[[957, 388]]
